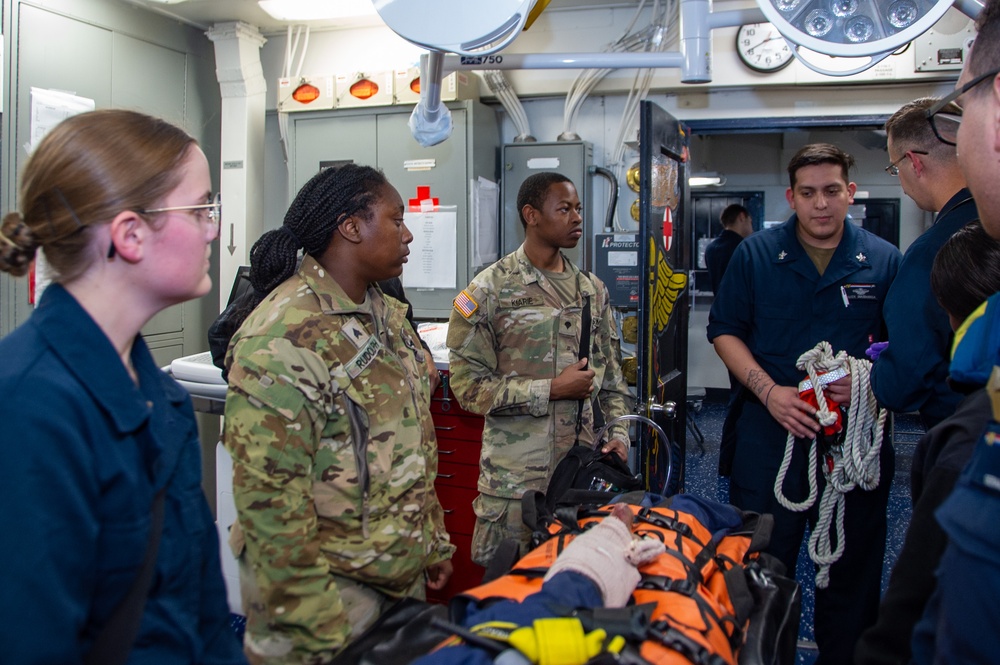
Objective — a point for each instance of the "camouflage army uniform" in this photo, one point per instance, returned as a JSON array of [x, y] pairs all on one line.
[[328, 423], [508, 337]]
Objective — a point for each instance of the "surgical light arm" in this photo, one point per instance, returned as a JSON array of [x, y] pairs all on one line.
[[430, 121]]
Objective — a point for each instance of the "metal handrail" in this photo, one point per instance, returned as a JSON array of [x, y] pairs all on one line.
[[656, 428]]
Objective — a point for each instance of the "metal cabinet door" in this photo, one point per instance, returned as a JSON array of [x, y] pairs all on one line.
[[445, 169], [325, 140]]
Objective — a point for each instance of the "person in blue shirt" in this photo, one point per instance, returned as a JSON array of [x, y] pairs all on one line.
[[911, 372], [817, 277], [736, 225], [941, 453], [960, 621], [96, 437], [960, 624]]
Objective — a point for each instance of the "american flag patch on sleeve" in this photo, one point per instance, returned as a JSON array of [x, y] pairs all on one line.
[[465, 305]]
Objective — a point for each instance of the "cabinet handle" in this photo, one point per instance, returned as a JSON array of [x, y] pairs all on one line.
[[446, 429], [448, 512], [446, 452], [445, 402], [446, 475]]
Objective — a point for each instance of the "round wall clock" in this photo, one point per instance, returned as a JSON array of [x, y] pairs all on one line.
[[762, 48]]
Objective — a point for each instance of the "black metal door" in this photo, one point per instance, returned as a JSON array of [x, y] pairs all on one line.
[[881, 217], [665, 251]]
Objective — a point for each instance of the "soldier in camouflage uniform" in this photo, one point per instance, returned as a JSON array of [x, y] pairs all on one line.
[[514, 341], [329, 426]]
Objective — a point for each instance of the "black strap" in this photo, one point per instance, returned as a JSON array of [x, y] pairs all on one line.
[[584, 353], [114, 642]]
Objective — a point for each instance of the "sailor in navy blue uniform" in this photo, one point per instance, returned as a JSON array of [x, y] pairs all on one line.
[[963, 613], [911, 373], [816, 277], [961, 619]]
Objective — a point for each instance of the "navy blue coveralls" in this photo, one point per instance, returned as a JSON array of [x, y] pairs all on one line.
[[83, 453], [718, 254], [774, 300], [911, 373]]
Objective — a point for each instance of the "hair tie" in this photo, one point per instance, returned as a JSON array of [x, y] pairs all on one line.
[[291, 234]]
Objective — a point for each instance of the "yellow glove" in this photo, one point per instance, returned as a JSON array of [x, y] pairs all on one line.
[[561, 641]]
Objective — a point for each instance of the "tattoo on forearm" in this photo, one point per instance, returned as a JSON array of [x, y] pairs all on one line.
[[756, 381]]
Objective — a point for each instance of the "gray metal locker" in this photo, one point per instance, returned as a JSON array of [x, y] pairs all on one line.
[[380, 136], [573, 159]]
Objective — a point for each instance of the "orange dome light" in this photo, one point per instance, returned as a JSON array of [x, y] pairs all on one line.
[[364, 89], [305, 93], [415, 85]]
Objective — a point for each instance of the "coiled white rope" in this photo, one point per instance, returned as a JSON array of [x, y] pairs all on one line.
[[852, 463]]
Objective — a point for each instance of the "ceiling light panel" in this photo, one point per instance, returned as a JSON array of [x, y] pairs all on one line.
[[315, 10]]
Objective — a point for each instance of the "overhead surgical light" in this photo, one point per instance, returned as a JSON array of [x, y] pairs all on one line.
[[471, 29], [852, 28], [869, 30], [456, 26]]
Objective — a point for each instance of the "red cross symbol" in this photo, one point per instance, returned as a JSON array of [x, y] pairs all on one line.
[[423, 194]]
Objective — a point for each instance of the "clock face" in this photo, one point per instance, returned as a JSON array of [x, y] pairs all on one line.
[[762, 48]]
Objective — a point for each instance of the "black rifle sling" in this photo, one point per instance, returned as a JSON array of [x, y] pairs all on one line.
[[584, 353]]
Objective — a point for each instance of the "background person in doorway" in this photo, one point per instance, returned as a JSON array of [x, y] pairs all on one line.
[[911, 373], [736, 225]]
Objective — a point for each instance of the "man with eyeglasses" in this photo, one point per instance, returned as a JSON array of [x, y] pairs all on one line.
[[962, 621], [910, 374]]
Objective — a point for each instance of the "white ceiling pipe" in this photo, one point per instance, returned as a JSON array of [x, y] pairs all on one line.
[[735, 18], [665, 59]]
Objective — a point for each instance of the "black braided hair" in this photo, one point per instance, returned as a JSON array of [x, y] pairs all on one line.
[[330, 197]]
